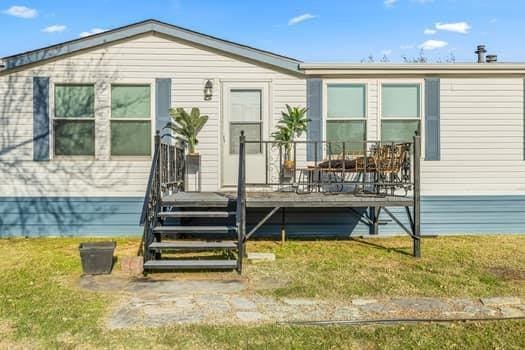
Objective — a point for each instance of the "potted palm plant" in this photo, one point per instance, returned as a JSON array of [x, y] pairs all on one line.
[[187, 125], [292, 124]]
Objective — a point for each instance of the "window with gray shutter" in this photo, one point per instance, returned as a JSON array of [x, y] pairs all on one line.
[[432, 119]]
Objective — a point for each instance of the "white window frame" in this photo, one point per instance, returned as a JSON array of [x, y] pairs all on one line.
[[52, 108], [151, 119], [421, 118], [325, 120]]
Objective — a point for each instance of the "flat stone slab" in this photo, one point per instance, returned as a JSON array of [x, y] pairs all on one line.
[[508, 311], [261, 257], [301, 301], [363, 301], [186, 287], [162, 303], [243, 303], [250, 316], [498, 301]]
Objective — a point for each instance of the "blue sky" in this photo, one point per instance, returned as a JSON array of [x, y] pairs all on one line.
[[310, 30]]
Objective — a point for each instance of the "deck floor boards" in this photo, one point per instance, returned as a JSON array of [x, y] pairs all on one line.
[[287, 199]]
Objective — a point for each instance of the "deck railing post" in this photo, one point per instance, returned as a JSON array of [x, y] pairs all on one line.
[[417, 196], [241, 201]]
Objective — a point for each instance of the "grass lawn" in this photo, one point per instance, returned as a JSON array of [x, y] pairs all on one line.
[[41, 306]]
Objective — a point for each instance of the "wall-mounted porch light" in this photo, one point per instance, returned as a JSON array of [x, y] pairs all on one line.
[[208, 90]]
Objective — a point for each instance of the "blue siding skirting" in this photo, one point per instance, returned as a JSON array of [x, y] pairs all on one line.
[[69, 216], [72, 216]]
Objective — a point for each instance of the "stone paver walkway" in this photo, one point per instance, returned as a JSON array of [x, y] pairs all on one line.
[[151, 304]]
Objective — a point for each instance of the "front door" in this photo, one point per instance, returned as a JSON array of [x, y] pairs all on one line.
[[245, 108]]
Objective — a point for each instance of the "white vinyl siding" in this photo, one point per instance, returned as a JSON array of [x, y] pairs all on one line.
[[132, 61], [481, 139]]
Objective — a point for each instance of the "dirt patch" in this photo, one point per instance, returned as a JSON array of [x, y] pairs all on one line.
[[508, 273], [8, 341]]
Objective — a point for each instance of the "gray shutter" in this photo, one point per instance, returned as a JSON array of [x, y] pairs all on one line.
[[162, 103], [432, 116], [314, 92], [40, 118]]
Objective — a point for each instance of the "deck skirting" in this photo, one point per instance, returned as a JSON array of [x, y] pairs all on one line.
[[114, 216]]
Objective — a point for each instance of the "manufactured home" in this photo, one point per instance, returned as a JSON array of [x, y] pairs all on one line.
[[79, 124]]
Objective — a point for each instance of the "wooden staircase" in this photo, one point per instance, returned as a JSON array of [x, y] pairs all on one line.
[[185, 239], [181, 235]]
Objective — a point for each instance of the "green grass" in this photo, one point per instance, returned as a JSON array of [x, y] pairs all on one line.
[[450, 266], [41, 306]]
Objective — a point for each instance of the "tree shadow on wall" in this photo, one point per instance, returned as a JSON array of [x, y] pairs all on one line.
[[56, 197]]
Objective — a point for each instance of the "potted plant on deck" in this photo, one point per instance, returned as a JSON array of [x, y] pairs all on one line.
[[292, 124], [188, 125]]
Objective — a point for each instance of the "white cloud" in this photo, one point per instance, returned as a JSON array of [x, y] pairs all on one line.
[[390, 3], [433, 45], [92, 32], [429, 31], [54, 28], [21, 12], [298, 19], [387, 52], [493, 20], [458, 27]]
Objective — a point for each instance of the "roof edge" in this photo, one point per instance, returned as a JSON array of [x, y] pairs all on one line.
[[412, 66], [151, 25]]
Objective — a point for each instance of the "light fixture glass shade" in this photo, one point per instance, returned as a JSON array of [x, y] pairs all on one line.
[[208, 90]]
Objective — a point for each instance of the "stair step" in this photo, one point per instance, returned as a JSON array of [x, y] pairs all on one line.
[[196, 214], [190, 264], [195, 229], [193, 245]]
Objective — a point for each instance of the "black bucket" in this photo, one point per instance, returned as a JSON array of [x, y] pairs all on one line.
[[97, 257]]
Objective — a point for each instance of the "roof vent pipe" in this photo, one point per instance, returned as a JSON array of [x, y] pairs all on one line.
[[492, 58], [481, 51]]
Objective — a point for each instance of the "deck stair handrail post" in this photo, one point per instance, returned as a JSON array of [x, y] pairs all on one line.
[[152, 200], [417, 196], [241, 200]]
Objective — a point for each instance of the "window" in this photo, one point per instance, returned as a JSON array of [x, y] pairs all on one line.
[[246, 114], [130, 120], [401, 112], [346, 117], [74, 120]]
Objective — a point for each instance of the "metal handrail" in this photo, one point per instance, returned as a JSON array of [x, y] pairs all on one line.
[[152, 174]]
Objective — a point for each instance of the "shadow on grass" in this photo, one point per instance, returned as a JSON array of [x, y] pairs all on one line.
[[379, 246]]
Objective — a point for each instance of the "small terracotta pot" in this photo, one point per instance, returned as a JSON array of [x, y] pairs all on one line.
[[289, 165]]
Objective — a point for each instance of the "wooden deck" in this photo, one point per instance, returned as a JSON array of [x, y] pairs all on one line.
[[286, 199]]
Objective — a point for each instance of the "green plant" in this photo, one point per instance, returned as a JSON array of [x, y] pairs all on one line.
[[187, 125], [292, 124]]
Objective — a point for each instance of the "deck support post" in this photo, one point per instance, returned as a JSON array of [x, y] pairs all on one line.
[[283, 226], [374, 217], [417, 197]]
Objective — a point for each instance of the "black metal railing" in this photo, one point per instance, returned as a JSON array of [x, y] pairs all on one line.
[[166, 175], [240, 215], [383, 166], [337, 166]]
